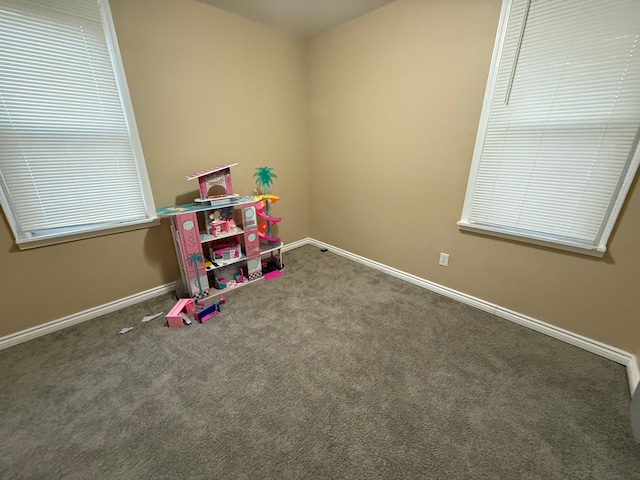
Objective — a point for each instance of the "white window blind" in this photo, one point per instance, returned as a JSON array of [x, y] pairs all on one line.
[[70, 157], [557, 145]]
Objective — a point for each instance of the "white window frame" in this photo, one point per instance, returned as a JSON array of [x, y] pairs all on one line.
[[465, 224], [26, 240]]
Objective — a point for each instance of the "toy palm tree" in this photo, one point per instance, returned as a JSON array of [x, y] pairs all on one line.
[[194, 259], [264, 177]]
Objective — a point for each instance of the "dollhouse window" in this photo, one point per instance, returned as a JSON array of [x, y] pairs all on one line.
[[71, 163], [217, 190]]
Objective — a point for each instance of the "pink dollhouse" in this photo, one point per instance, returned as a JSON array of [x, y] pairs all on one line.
[[218, 232]]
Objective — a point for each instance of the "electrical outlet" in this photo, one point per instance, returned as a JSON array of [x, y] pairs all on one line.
[[444, 259]]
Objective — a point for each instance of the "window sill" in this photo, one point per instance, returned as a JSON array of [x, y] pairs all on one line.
[[593, 251], [45, 240]]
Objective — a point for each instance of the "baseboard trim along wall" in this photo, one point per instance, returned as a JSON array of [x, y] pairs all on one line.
[[296, 244], [593, 346], [612, 353], [633, 372], [75, 318]]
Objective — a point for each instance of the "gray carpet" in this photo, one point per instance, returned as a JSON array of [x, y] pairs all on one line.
[[333, 370]]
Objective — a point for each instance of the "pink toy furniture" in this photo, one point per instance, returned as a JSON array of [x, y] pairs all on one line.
[[174, 317], [229, 250], [222, 226]]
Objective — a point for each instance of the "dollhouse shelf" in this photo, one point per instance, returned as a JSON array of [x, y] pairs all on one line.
[[205, 237], [270, 248], [264, 249], [226, 263], [195, 207]]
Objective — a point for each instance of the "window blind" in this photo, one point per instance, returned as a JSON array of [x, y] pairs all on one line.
[[69, 153], [557, 143]]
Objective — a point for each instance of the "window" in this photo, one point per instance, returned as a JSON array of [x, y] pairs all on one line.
[[557, 145], [71, 163]]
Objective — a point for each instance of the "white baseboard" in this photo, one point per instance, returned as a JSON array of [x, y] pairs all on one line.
[[296, 244], [73, 319], [633, 372], [593, 346]]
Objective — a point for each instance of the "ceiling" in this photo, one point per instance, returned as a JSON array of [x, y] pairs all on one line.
[[302, 18]]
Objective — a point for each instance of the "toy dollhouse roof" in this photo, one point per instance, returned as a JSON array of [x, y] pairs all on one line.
[[209, 171]]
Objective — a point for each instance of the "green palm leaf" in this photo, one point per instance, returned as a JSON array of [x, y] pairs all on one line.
[[264, 177]]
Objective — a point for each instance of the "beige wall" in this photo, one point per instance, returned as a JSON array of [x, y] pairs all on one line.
[[207, 88], [395, 98]]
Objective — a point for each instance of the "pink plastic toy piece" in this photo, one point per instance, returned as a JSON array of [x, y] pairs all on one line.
[[273, 275], [222, 226], [262, 228], [227, 251], [210, 311], [260, 212], [174, 317]]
